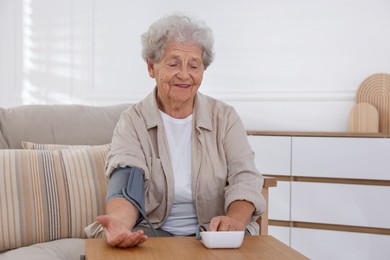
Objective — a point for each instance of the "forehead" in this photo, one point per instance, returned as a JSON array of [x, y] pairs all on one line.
[[178, 50]]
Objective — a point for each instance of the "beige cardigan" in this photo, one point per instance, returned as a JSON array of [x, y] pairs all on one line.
[[223, 161]]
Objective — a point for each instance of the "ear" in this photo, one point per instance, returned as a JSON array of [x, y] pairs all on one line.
[[151, 68]]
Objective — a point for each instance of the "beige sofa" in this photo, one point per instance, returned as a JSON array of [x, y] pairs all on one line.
[[52, 182], [49, 193]]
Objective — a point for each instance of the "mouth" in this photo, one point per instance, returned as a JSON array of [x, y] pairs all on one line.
[[182, 85]]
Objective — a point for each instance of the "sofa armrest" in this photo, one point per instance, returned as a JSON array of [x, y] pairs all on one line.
[[50, 194]]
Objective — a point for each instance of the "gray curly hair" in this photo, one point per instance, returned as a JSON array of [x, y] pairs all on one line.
[[177, 28]]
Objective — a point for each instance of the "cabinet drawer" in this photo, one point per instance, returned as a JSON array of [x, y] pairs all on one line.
[[325, 245], [272, 154], [279, 201], [359, 158], [356, 205], [280, 233]]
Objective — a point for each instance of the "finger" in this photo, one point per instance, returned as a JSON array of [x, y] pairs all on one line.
[[223, 226], [132, 240], [140, 240], [116, 240], [233, 228], [214, 223], [235, 225], [103, 220], [128, 240]]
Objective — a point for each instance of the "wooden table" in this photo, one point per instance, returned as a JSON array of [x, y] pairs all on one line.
[[253, 247]]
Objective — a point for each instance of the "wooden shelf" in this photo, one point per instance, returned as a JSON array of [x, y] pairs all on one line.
[[319, 134]]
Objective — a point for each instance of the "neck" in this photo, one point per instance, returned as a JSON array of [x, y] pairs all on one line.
[[177, 110]]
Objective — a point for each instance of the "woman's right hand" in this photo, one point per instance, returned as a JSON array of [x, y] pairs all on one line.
[[118, 234]]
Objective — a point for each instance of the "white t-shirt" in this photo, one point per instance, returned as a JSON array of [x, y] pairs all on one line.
[[182, 219]]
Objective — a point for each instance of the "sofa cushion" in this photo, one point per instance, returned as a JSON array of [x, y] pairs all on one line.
[[49, 194], [58, 124], [70, 248], [35, 146]]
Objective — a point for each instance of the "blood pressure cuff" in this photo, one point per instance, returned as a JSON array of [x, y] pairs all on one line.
[[128, 183]]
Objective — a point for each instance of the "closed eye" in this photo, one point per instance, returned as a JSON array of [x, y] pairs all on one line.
[[195, 66]]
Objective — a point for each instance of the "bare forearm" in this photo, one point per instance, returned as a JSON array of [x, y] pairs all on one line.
[[241, 210], [122, 210]]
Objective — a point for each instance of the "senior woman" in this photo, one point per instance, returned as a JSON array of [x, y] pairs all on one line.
[[179, 157]]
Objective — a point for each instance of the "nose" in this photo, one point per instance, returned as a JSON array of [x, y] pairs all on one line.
[[183, 73]]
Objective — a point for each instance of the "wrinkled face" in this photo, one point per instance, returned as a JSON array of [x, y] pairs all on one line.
[[178, 74]]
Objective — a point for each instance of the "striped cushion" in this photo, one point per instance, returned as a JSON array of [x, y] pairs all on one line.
[[49, 194], [35, 146]]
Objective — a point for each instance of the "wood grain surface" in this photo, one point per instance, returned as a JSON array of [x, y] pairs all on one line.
[[253, 247]]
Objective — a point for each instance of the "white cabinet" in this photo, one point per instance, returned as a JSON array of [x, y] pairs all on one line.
[[341, 204], [341, 157], [279, 201], [328, 185], [272, 154], [281, 233], [337, 245]]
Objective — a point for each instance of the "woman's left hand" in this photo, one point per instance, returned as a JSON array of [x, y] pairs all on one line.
[[236, 219], [225, 223]]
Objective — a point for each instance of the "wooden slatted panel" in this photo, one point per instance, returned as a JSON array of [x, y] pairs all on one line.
[[363, 118], [376, 91]]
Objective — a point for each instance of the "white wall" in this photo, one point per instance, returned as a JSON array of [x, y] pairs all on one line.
[[284, 65]]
